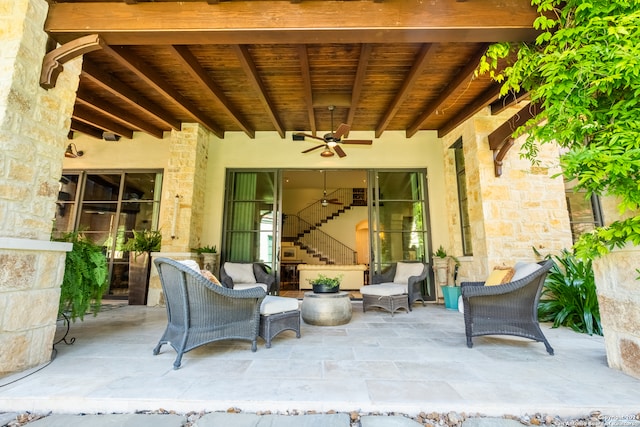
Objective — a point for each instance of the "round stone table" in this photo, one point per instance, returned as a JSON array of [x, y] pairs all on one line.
[[328, 309]]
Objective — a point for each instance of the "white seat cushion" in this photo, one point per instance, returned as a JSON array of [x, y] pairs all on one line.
[[240, 272], [272, 305], [384, 289], [242, 286], [404, 270], [191, 264]]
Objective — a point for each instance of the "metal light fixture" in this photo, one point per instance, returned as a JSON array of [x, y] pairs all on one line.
[[327, 153], [72, 151]]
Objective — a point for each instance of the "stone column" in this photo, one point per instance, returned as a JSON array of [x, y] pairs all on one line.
[[183, 193], [509, 214], [33, 127]]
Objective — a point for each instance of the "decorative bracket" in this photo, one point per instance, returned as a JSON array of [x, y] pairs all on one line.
[[53, 62], [501, 139]]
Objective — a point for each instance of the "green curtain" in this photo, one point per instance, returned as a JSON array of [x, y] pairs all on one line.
[[243, 219]]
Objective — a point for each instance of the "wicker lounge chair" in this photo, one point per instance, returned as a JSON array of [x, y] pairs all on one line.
[[412, 282], [507, 309], [200, 312], [244, 275]]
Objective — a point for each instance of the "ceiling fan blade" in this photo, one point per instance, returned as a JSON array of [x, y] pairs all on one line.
[[314, 148], [343, 129], [307, 135], [334, 202], [357, 141], [339, 151]]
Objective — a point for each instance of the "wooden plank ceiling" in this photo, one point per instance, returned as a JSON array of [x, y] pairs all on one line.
[[253, 66]]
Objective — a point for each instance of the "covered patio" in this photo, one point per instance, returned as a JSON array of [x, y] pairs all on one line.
[[408, 363]]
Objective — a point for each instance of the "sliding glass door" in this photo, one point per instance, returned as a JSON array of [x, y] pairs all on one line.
[[399, 220], [250, 217]]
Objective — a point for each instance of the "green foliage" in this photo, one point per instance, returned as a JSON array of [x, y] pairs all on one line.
[[569, 295], [440, 253], [144, 241], [206, 250], [85, 277], [583, 70], [329, 282], [602, 240]]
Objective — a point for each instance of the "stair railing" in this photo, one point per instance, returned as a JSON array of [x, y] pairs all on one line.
[[316, 213], [316, 242]]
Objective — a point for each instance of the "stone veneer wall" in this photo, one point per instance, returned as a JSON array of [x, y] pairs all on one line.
[[33, 135], [509, 212], [619, 298], [185, 176]]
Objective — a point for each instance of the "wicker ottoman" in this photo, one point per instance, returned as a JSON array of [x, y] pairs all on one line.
[[278, 314], [387, 296]]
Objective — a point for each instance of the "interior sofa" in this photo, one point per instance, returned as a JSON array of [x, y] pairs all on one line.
[[352, 275]]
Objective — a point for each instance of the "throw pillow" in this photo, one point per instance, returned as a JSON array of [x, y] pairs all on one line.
[[523, 269], [499, 276], [209, 275], [404, 270], [240, 272]]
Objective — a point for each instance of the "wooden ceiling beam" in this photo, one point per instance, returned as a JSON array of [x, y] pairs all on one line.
[[358, 82], [461, 79], [305, 74], [199, 74], [107, 82], [116, 113], [252, 73], [151, 77], [277, 22], [424, 56], [81, 127], [486, 98], [91, 118]]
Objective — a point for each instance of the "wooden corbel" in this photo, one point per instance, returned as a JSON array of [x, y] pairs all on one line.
[[498, 156], [501, 139], [53, 62]]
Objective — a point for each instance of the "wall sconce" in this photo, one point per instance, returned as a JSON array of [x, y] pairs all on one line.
[[72, 151]]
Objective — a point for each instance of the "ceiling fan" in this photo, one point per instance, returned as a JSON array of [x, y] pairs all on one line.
[[332, 139], [324, 201]]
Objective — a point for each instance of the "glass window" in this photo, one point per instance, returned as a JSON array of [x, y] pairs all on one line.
[[106, 207], [585, 214], [463, 201]]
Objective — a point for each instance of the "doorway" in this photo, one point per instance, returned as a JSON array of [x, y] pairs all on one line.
[[289, 217]]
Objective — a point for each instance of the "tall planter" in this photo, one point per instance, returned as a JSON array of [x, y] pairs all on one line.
[[210, 262], [139, 271], [618, 292]]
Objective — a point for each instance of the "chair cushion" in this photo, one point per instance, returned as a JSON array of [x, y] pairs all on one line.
[[524, 269], [191, 264], [242, 286], [240, 272], [500, 276], [404, 270], [384, 289], [272, 305]]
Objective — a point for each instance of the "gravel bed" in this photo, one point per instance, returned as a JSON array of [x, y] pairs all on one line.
[[427, 419]]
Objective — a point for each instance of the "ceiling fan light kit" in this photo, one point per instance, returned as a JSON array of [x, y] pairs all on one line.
[[332, 140]]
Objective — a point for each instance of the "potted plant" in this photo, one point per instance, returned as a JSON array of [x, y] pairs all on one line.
[[441, 266], [85, 278], [581, 74], [324, 284], [209, 255], [140, 247]]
